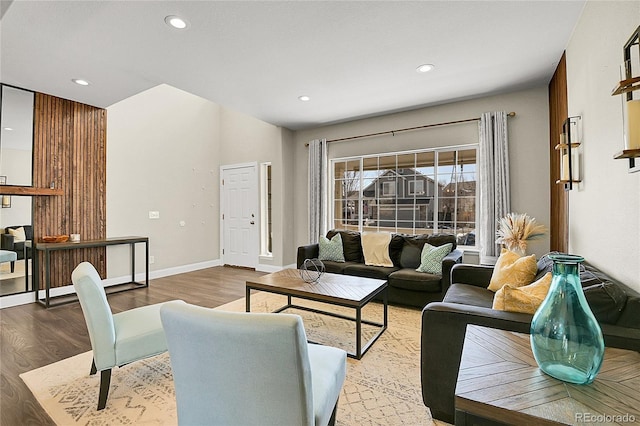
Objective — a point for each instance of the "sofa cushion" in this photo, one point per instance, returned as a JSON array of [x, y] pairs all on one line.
[[362, 270], [466, 294], [336, 267], [431, 258], [630, 317], [375, 247], [525, 299], [331, 249], [351, 245], [513, 269], [409, 279]]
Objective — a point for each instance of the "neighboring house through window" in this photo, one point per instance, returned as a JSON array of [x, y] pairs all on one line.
[[418, 192]]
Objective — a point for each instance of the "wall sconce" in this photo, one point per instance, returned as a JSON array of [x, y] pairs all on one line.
[[568, 149], [629, 88], [6, 201]]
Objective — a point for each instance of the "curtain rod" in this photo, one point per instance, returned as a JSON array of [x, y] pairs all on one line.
[[393, 132]]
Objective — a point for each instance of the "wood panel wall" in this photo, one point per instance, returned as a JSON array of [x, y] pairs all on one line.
[[558, 113], [70, 152]]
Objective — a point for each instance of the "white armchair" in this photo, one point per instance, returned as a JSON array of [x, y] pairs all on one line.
[[250, 369], [116, 339]]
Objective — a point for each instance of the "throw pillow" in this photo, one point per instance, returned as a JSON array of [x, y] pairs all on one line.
[[18, 234], [410, 256], [431, 258], [331, 249], [511, 268], [525, 299], [375, 246]]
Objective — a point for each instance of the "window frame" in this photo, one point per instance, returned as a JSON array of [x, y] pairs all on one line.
[[432, 206]]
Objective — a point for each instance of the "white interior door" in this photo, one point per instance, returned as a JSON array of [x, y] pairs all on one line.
[[240, 245]]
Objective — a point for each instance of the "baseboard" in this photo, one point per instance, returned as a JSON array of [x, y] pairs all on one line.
[[272, 268], [26, 298]]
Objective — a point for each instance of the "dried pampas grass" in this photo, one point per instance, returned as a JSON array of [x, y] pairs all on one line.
[[516, 229]]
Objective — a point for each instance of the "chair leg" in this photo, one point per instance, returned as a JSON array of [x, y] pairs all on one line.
[[332, 420], [13, 267], [94, 370], [105, 381]]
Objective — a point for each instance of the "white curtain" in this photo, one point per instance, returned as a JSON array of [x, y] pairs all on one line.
[[317, 189], [494, 180]]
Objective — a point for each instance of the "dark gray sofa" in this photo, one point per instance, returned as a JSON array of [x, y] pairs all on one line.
[[406, 286], [616, 306]]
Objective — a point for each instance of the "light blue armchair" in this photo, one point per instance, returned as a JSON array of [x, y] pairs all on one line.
[[116, 339], [250, 369]]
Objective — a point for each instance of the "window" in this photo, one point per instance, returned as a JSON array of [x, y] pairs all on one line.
[[266, 237], [419, 192], [416, 187]]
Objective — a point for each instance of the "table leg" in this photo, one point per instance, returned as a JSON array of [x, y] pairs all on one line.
[[248, 299], [146, 282], [47, 278], [133, 262], [358, 333]]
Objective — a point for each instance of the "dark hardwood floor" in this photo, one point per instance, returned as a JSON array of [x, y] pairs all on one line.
[[32, 337]]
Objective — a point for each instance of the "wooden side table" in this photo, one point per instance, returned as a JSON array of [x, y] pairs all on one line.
[[500, 383]]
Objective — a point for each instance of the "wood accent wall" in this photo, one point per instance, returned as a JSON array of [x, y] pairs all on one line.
[[558, 113], [70, 151]]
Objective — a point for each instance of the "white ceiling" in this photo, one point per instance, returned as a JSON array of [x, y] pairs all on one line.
[[354, 59]]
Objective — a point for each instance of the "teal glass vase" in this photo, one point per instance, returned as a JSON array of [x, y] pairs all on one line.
[[566, 338]]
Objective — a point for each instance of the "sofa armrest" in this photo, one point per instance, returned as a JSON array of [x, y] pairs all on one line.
[[453, 258], [477, 275], [310, 251], [6, 241], [443, 331]]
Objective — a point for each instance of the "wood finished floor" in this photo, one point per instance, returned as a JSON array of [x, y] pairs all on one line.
[[32, 337]]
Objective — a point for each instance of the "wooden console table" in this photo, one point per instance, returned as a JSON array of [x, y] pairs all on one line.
[[500, 383], [47, 248]]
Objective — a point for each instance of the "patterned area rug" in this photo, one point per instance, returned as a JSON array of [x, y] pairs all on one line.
[[383, 388]]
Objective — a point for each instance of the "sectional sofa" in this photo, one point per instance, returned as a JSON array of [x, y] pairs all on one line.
[[468, 301], [406, 285]]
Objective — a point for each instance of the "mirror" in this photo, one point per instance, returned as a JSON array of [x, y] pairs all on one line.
[[16, 140], [16, 164]]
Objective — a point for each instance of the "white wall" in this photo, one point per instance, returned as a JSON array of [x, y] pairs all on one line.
[[164, 152], [604, 211], [162, 155], [528, 139], [16, 165], [246, 139]]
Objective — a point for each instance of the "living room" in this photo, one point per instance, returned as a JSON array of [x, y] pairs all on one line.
[[166, 148]]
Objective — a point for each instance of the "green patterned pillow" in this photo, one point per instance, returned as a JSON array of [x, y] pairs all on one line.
[[431, 258], [331, 249]]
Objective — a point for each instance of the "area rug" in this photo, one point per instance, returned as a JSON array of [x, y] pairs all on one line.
[[383, 388]]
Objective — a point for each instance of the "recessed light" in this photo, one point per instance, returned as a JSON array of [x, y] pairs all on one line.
[[425, 68], [80, 81], [176, 22], [8, 129], [304, 98]]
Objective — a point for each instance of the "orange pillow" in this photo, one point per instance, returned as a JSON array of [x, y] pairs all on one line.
[[513, 269], [525, 299]]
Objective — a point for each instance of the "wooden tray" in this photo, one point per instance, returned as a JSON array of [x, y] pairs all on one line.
[[55, 238]]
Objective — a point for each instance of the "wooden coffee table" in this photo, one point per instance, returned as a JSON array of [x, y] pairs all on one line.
[[499, 381], [333, 289]]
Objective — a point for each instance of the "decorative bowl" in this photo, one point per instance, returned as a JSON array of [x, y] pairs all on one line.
[[55, 238]]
